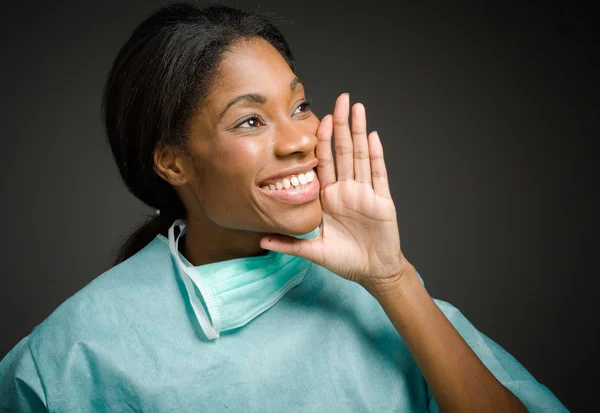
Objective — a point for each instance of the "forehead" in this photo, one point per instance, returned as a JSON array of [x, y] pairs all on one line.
[[251, 66]]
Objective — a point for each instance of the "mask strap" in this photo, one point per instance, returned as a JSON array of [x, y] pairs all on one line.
[[210, 330]]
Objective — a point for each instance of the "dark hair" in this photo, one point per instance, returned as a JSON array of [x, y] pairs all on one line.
[[160, 75]]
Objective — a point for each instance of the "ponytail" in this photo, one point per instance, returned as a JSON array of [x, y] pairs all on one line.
[[145, 233]]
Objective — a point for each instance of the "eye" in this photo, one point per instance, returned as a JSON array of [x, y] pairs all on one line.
[[251, 120], [303, 107]]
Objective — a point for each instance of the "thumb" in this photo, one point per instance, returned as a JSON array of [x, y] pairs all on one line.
[[284, 244]]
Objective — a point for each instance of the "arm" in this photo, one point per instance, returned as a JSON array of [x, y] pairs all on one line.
[[458, 380], [360, 241]]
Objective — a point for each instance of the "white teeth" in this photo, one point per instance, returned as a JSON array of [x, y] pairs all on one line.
[[297, 181]]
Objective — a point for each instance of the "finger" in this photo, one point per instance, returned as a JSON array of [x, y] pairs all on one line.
[[326, 167], [378, 170], [304, 248], [362, 164], [342, 138]]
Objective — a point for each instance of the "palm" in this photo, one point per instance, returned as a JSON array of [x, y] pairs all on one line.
[[359, 229], [359, 237]]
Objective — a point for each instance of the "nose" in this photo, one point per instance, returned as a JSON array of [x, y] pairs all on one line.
[[295, 137]]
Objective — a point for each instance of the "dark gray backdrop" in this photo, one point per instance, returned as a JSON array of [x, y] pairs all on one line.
[[488, 118]]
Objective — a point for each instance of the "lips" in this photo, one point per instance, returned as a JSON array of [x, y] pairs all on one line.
[[295, 195], [288, 173]]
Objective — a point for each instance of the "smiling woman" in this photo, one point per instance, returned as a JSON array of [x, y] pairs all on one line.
[[273, 278], [252, 125]]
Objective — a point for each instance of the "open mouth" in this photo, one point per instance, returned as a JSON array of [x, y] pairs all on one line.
[[290, 182], [293, 189]]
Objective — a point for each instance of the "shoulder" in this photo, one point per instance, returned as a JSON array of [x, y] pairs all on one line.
[[111, 299], [20, 385]]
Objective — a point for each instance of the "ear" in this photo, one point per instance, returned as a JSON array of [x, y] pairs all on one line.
[[172, 164]]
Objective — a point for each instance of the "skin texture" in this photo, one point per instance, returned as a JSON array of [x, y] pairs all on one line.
[[217, 178], [359, 239]]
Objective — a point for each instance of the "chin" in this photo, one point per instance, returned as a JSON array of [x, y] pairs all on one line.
[[303, 220]]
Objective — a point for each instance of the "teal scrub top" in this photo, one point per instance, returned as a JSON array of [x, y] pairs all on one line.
[[129, 342]]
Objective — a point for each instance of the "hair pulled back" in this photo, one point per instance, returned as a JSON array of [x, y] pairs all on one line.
[[160, 75]]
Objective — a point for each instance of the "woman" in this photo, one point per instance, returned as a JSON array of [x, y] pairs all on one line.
[[210, 306]]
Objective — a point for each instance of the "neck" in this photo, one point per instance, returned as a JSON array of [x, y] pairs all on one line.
[[205, 242]]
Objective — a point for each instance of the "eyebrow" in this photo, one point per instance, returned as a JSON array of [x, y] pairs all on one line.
[[254, 97]]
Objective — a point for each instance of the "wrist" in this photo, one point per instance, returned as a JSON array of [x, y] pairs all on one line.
[[395, 286]]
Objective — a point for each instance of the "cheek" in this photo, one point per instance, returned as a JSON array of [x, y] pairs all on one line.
[[227, 177], [241, 159]]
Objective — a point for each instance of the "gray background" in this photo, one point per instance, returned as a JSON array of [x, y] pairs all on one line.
[[488, 117]]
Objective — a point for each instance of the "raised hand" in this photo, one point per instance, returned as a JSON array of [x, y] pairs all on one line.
[[359, 238]]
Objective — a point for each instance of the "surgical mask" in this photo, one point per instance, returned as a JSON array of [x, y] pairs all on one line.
[[233, 292]]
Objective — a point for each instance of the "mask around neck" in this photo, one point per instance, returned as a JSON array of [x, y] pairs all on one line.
[[228, 294]]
